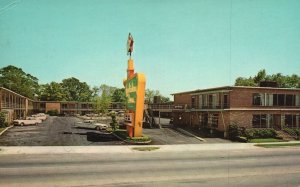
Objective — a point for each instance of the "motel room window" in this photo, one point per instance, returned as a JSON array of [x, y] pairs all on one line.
[[225, 101], [288, 121], [290, 100], [281, 99], [291, 121], [214, 120], [257, 99], [259, 121], [193, 102]]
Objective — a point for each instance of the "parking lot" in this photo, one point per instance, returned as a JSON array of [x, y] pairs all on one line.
[[62, 131]]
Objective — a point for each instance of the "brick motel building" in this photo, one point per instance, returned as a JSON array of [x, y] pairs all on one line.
[[249, 107], [16, 106]]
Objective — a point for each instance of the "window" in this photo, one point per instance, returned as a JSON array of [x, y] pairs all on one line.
[[297, 100], [290, 100], [269, 99], [256, 121], [263, 121], [281, 99], [259, 121], [291, 121], [214, 120], [288, 121], [225, 101], [203, 118], [193, 102], [257, 99]]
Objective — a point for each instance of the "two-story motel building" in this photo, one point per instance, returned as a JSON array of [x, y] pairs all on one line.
[[250, 107]]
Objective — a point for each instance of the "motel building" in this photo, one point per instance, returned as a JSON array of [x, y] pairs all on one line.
[[249, 107], [16, 106]]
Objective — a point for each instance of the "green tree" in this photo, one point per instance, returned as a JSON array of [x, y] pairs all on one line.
[[119, 95], [149, 95], [102, 102], [53, 92], [76, 90], [283, 81], [17, 80], [241, 81]]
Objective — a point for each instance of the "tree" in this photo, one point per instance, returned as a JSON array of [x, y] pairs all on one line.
[[119, 95], [283, 81], [76, 90], [102, 102], [52, 92], [241, 81], [17, 80], [150, 94]]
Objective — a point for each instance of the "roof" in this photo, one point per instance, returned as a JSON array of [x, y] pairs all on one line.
[[15, 93], [232, 87]]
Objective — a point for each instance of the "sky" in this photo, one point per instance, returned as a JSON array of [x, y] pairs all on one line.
[[178, 45]]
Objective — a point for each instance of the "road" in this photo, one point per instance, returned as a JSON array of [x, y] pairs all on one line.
[[248, 167]]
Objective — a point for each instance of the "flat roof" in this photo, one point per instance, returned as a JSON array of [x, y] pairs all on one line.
[[231, 87]]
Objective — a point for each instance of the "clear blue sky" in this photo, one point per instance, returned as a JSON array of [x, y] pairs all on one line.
[[179, 45]]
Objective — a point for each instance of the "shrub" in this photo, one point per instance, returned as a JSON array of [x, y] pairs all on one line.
[[114, 124], [260, 133], [2, 120], [52, 112], [233, 131]]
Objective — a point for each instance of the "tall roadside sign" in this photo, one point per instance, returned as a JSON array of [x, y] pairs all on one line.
[[135, 93]]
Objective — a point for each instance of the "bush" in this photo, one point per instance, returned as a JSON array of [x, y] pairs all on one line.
[[52, 112], [3, 124], [144, 138], [260, 133], [233, 131]]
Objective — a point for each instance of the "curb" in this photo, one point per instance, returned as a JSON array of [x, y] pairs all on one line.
[[5, 130], [132, 143]]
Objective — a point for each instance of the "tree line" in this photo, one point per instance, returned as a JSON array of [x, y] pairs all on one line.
[[283, 81], [69, 89]]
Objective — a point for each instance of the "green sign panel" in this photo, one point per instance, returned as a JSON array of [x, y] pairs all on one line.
[[131, 93]]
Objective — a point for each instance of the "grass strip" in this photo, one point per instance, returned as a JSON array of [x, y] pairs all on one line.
[[277, 145], [145, 148], [263, 140]]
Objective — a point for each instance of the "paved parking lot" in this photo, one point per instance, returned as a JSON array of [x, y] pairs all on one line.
[[55, 131], [62, 131]]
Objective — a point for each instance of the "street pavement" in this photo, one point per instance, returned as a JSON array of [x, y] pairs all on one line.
[[171, 165]]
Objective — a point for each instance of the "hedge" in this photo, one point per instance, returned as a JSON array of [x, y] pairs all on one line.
[[260, 133]]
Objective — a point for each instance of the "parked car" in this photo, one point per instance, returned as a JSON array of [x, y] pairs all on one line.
[[23, 122], [100, 126], [34, 118], [40, 116], [88, 121], [91, 124]]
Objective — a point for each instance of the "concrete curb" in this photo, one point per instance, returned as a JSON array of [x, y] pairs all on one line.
[[7, 150], [132, 143], [6, 129]]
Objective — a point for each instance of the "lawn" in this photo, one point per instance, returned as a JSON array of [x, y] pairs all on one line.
[[145, 148], [278, 145], [264, 140]]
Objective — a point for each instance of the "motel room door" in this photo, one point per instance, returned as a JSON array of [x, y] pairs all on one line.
[[277, 121]]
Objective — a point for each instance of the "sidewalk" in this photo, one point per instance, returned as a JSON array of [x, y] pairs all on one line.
[[121, 149]]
